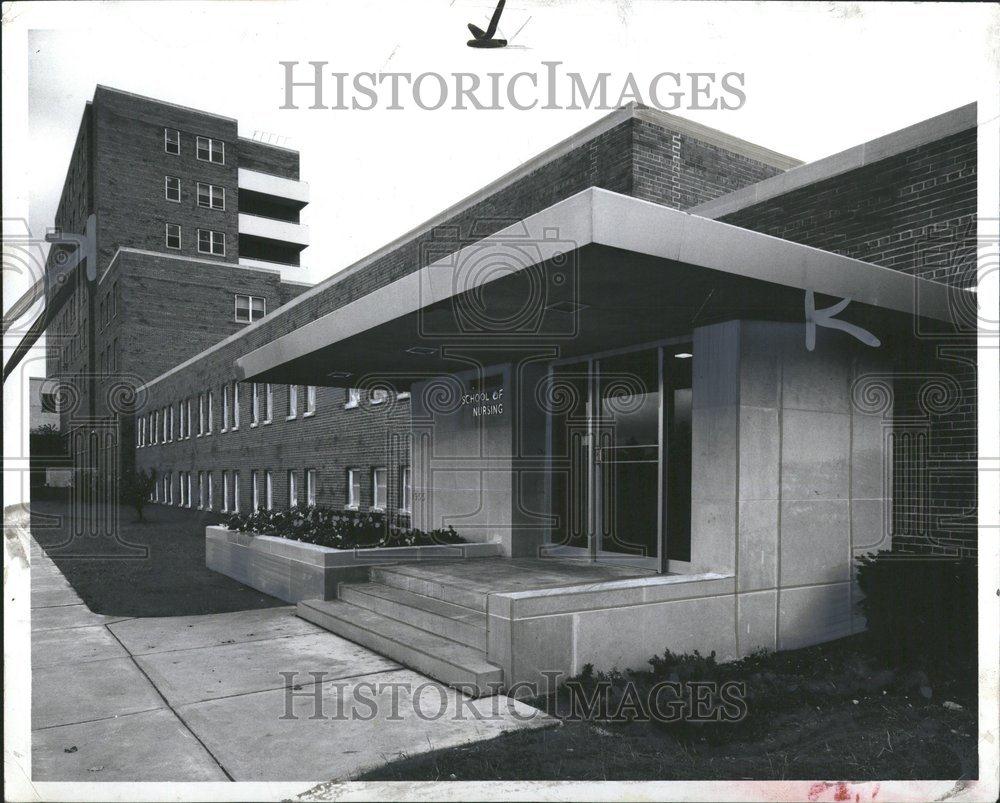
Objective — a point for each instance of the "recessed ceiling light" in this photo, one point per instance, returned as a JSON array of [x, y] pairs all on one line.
[[422, 351], [339, 374], [567, 306], [682, 355]]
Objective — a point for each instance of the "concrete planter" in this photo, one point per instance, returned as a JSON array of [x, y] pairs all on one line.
[[294, 571]]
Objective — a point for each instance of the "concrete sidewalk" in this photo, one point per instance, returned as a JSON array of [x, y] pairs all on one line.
[[202, 698]]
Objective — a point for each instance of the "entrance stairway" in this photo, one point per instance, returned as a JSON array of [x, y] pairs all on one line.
[[434, 627]]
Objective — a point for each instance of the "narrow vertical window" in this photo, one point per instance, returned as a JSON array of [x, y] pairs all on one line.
[[236, 492], [293, 491], [255, 404], [171, 141], [225, 407], [172, 189], [210, 412], [269, 489], [254, 491], [211, 501], [311, 487], [173, 236], [379, 488], [225, 491], [293, 400], [353, 488], [268, 402], [310, 400], [405, 490], [236, 405]]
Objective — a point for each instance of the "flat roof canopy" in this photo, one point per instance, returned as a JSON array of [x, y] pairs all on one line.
[[595, 272]]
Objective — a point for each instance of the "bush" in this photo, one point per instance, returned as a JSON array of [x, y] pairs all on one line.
[[136, 489], [921, 611], [340, 529]]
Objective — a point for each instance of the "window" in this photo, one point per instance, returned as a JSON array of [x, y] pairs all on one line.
[[166, 427], [211, 501], [378, 396], [353, 487], [209, 413], [190, 499], [166, 489], [405, 490], [378, 488], [353, 398], [293, 491], [172, 188], [180, 477], [250, 309], [268, 402], [236, 492], [173, 236], [225, 491], [180, 410], [293, 400], [201, 490], [211, 242], [201, 415], [236, 406], [310, 400], [155, 427], [269, 489], [254, 492], [211, 197], [311, 487], [225, 407], [170, 430], [172, 141], [255, 405], [211, 150], [190, 416]]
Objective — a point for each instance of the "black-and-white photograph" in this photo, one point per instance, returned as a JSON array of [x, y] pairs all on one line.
[[485, 400]]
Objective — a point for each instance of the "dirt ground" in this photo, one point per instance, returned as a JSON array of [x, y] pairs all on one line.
[[151, 568], [826, 713]]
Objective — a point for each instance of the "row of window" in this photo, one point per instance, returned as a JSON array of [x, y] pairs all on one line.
[[158, 426], [197, 489], [209, 241], [206, 148], [209, 195]]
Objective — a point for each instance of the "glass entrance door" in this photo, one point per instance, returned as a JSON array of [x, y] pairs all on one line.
[[626, 456], [620, 457]]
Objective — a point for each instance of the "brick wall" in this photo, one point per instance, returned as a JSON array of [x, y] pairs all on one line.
[[264, 158], [913, 212]]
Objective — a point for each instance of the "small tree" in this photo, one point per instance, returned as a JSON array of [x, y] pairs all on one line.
[[136, 489]]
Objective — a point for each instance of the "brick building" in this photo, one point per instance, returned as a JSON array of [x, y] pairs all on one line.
[[707, 373], [198, 233]]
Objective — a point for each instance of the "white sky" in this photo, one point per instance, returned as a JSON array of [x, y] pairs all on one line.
[[820, 77]]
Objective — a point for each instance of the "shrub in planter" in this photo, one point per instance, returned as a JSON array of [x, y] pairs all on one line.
[[339, 529], [921, 610]]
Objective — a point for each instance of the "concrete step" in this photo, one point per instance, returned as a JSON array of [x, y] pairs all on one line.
[[458, 665], [414, 580], [455, 622]]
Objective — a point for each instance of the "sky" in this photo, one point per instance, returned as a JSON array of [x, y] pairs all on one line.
[[819, 78]]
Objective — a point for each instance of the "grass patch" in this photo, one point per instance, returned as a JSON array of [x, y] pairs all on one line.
[[829, 711]]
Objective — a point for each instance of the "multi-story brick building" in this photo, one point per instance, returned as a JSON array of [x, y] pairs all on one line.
[[197, 235]]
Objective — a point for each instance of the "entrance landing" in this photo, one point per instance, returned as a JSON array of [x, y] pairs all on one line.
[[432, 617], [497, 575]]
